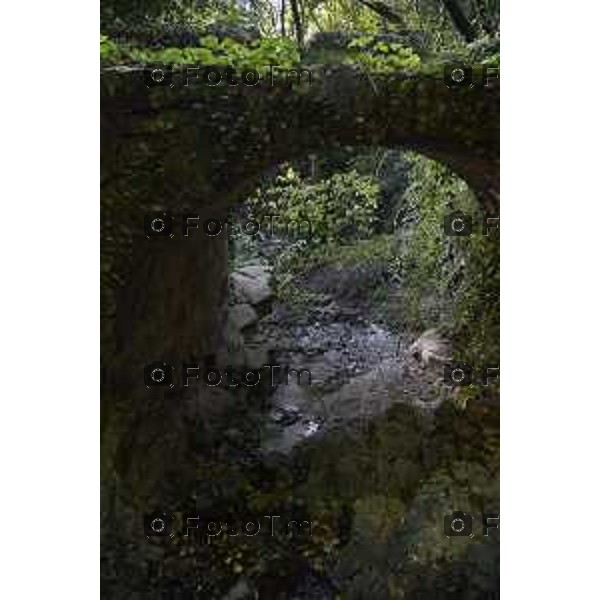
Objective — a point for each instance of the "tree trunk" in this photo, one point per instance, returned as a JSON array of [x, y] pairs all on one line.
[[298, 24], [460, 20]]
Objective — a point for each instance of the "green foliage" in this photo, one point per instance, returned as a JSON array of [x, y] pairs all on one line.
[[342, 15], [257, 54], [457, 272], [159, 12], [492, 60], [109, 51], [381, 56], [433, 190], [364, 262], [340, 208]]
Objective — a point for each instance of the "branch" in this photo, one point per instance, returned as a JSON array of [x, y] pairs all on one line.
[[460, 20], [383, 10]]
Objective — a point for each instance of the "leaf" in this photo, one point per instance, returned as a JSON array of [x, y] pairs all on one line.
[[210, 41]]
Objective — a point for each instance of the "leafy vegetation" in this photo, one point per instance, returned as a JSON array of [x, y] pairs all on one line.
[[260, 31], [383, 56], [339, 208], [459, 272], [211, 51]]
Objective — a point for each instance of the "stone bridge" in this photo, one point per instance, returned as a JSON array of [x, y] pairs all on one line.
[[203, 148]]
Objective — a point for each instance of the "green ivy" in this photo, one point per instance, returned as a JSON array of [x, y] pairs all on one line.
[[257, 54], [459, 272], [382, 57], [109, 51]]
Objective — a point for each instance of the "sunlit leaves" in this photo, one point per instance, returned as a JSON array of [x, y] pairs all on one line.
[[341, 207], [266, 51], [382, 57]]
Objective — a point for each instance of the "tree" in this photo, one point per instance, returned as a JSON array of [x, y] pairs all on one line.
[[298, 22], [282, 18]]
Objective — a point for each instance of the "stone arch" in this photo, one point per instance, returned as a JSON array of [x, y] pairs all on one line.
[[202, 148], [235, 132]]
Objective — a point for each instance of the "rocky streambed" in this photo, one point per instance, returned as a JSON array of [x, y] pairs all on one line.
[[368, 452], [350, 369]]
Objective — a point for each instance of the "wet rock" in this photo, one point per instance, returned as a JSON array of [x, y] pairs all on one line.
[[286, 417], [251, 284], [242, 590], [242, 316], [256, 357]]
